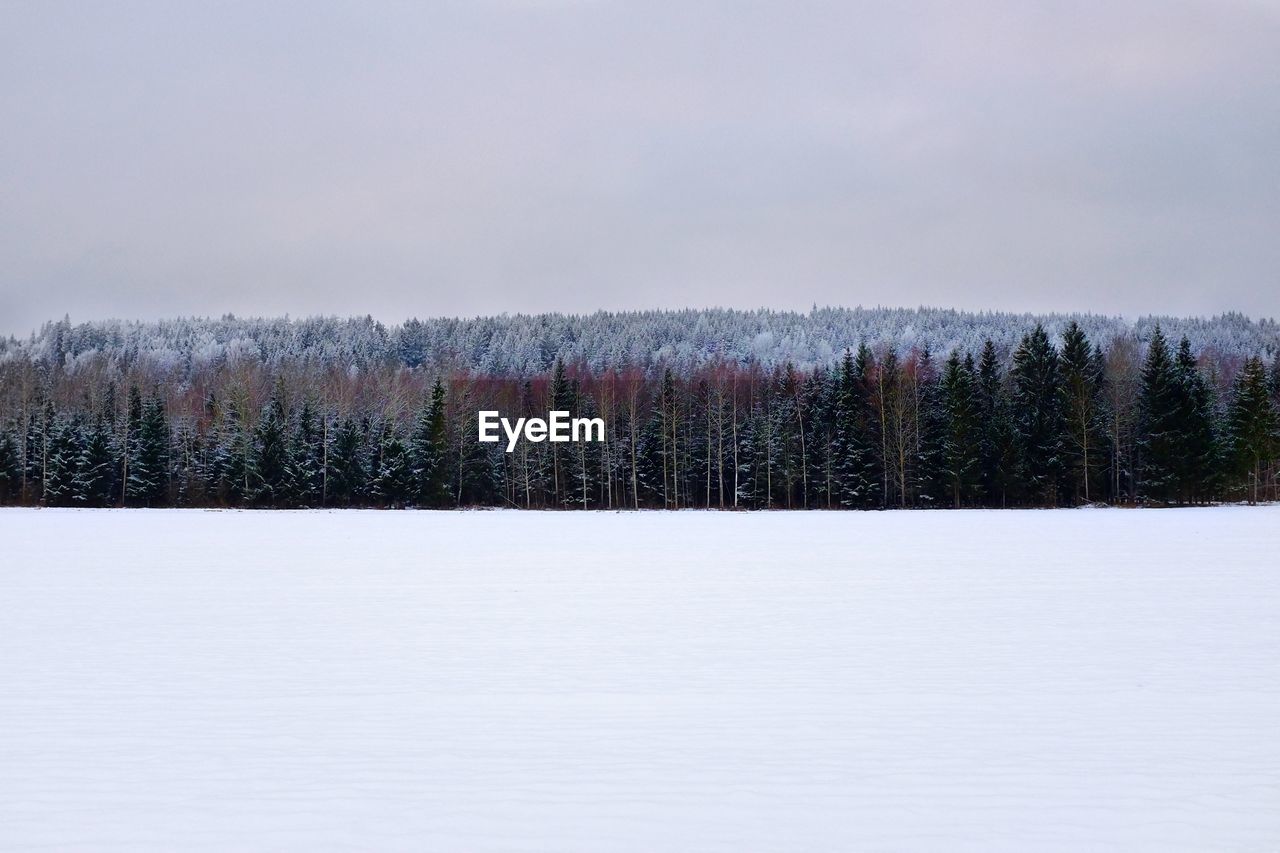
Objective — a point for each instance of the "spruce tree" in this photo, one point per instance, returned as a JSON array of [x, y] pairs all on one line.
[[155, 441], [1198, 454], [393, 475], [563, 399], [347, 465], [789, 439], [896, 443], [61, 464], [132, 482], [821, 399], [186, 464], [96, 471], [270, 481], [230, 465], [1084, 432], [1160, 435], [1252, 423], [870, 473], [306, 458], [427, 448], [32, 474], [1037, 404], [147, 481], [962, 430], [854, 484], [931, 484], [10, 467]]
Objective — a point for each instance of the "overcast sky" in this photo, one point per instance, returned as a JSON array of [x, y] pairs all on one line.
[[480, 157]]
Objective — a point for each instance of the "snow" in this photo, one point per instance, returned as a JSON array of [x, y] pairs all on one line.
[[1018, 680]]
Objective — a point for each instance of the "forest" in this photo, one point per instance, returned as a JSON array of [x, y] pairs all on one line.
[[838, 409]]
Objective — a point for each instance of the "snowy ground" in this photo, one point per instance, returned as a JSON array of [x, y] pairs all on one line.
[[1016, 681]]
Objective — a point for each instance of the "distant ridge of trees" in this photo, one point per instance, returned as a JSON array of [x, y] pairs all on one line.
[[704, 409], [528, 345]]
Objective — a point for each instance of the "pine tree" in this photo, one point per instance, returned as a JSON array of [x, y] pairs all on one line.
[[961, 430], [1037, 403], [1160, 435], [1084, 432], [1253, 425]]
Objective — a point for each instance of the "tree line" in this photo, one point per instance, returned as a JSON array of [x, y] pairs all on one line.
[[1048, 424]]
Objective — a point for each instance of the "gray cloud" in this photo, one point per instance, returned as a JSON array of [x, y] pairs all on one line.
[[475, 158]]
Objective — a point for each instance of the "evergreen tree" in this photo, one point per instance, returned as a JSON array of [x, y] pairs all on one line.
[[962, 430], [131, 481], [896, 443], [347, 465], [473, 469], [585, 474], [61, 464], [853, 466], [818, 403], [1252, 425], [306, 458], [10, 468], [96, 471], [869, 475], [230, 466], [269, 474], [1084, 432], [33, 446], [999, 459], [789, 440], [1037, 405], [756, 454], [427, 448], [147, 482], [1160, 433], [1198, 453], [186, 464], [563, 399], [393, 479], [931, 482]]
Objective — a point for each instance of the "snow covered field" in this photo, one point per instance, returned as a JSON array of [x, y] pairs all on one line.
[[1067, 680]]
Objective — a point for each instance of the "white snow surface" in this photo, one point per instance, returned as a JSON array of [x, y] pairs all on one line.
[[507, 681]]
